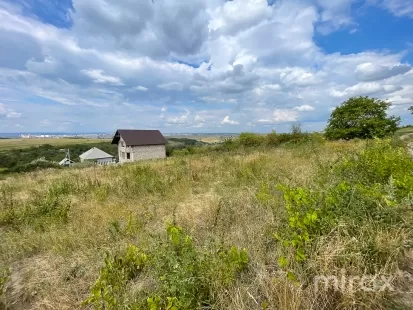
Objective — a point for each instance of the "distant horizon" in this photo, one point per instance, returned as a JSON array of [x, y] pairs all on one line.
[[18, 134]]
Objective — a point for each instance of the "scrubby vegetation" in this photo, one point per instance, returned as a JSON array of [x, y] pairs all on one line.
[[46, 156], [239, 225], [27, 159], [252, 141]]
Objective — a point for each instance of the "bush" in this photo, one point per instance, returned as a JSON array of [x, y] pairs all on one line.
[[32, 167], [369, 190], [273, 139], [184, 275], [247, 139], [109, 289]]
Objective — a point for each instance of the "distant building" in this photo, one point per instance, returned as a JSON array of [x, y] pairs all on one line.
[[97, 156], [66, 162], [134, 145]]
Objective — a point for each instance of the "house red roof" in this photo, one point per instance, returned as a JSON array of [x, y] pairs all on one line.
[[134, 137]]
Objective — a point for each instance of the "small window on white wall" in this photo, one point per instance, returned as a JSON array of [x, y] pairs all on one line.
[[127, 155], [122, 143]]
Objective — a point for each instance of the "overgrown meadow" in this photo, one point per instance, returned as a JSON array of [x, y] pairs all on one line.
[[247, 224]]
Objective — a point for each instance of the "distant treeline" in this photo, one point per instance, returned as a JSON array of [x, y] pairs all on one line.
[[47, 156], [19, 160]]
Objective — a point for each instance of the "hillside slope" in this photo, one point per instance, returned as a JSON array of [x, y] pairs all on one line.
[[247, 229]]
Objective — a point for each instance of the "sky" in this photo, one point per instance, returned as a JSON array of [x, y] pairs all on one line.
[[199, 65]]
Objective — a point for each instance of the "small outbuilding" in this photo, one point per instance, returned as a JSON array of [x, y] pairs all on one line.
[[134, 145], [97, 156], [65, 162]]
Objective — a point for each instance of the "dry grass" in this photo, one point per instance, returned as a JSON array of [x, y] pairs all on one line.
[[212, 197], [8, 144], [206, 139]]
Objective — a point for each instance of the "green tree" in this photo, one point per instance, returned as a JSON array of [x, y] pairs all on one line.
[[361, 117], [411, 109]]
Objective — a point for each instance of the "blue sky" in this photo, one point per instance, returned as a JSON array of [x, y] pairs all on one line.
[[200, 65]]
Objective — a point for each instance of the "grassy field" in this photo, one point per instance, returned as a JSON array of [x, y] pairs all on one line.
[[246, 229], [206, 138], [9, 144], [405, 130]]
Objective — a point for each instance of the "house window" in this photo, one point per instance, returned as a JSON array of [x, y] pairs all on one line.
[[123, 155], [122, 143], [127, 155]]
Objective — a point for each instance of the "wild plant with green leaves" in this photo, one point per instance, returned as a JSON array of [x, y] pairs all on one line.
[[364, 193], [184, 274]]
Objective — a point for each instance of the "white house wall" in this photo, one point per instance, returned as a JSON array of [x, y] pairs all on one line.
[[142, 152], [104, 161]]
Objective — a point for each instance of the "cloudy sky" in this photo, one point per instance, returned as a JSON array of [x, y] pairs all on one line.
[[198, 65]]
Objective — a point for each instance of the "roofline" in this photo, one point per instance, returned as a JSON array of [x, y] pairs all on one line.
[[145, 144], [117, 136]]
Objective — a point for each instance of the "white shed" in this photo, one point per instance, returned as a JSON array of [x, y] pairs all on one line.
[[98, 156], [66, 162]]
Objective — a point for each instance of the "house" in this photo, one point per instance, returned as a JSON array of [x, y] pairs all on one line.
[[134, 145], [66, 162], [98, 156]]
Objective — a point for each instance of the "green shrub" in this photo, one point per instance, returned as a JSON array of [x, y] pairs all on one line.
[[380, 161], [109, 289], [248, 139], [33, 167], [273, 139], [369, 188], [184, 275]]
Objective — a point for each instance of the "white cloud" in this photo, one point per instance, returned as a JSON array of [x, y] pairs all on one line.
[[398, 7], [199, 119], [259, 91], [334, 15], [304, 108], [285, 115], [172, 86], [399, 100], [364, 89], [179, 120], [299, 77], [7, 112], [373, 72], [141, 88], [227, 121], [265, 121], [12, 114], [99, 76], [244, 59], [3, 110], [239, 15]]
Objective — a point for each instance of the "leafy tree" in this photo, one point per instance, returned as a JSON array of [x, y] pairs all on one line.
[[361, 117], [411, 109]]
